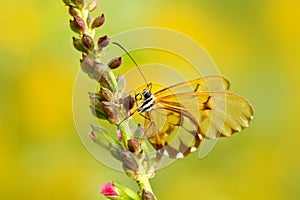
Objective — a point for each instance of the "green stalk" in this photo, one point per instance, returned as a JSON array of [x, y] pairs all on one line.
[[141, 176]]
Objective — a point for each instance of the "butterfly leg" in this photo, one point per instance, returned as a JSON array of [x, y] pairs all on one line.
[[126, 118], [146, 117]]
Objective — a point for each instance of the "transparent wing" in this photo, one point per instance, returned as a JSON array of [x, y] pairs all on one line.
[[172, 132], [186, 113], [206, 84], [218, 114]]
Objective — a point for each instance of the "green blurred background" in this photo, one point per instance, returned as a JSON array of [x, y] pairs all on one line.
[[254, 43]]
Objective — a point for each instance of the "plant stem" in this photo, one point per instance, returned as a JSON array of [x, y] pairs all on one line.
[[124, 128], [141, 177], [142, 180], [144, 184], [82, 26]]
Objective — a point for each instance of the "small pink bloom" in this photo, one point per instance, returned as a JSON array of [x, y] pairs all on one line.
[[119, 134], [108, 190]]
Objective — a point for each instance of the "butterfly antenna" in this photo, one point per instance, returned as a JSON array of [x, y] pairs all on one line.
[[115, 43]]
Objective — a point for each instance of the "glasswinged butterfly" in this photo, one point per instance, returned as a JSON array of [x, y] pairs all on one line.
[[179, 117]]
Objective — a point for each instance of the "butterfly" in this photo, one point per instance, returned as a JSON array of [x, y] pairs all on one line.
[[178, 118]]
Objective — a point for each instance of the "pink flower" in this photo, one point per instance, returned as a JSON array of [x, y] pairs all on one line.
[[119, 134], [108, 190]]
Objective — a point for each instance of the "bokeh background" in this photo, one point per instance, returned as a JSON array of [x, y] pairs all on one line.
[[254, 43]]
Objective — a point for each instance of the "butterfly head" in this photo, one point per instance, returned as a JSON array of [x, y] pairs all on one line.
[[146, 93]]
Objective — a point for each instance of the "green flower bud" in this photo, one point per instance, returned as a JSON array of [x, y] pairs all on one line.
[[98, 21], [87, 41], [115, 63], [74, 11], [103, 95], [78, 25], [121, 81], [68, 2], [148, 195], [105, 77], [74, 28], [78, 45], [130, 162], [98, 114], [92, 5], [111, 109], [134, 146], [97, 109], [78, 3], [128, 103], [88, 64], [100, 74], [113, 85], [115, 151], [105, 110], [103, 41], [106, 94]]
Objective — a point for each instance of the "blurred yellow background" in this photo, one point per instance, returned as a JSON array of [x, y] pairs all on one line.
[[254, 43]]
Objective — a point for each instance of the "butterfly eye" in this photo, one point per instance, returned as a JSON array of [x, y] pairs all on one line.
[[146, 93]]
